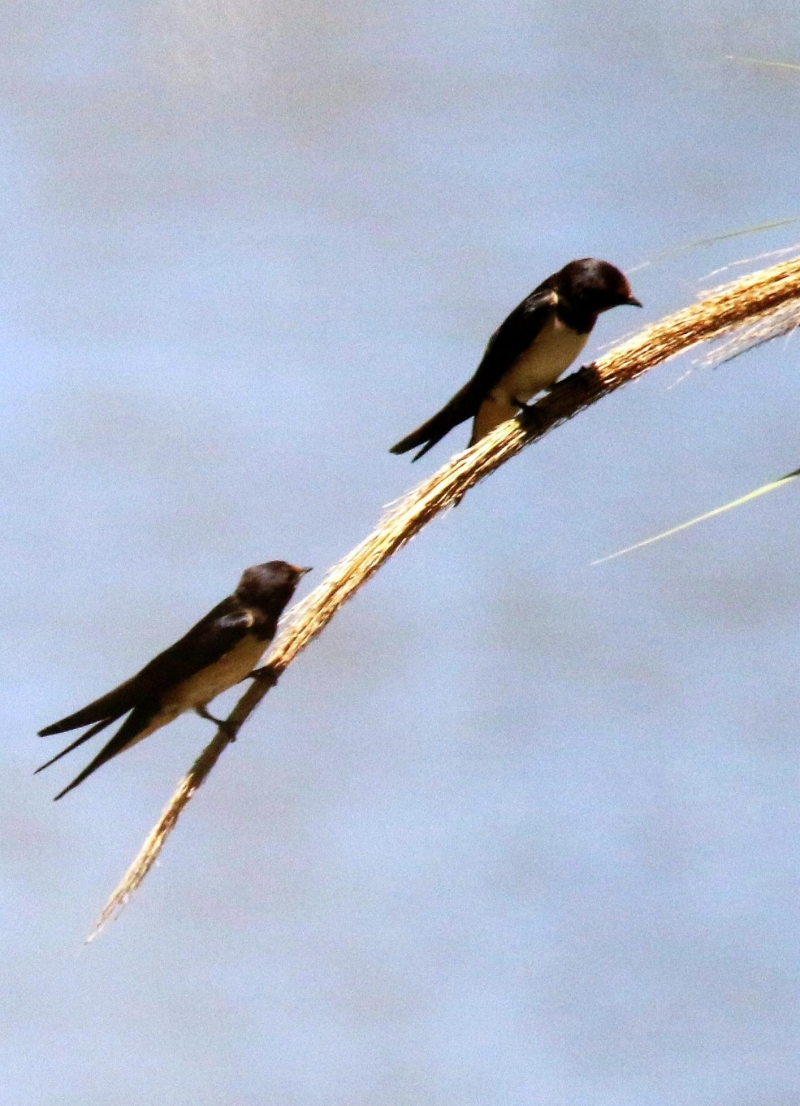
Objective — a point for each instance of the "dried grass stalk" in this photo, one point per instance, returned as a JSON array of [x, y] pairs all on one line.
[[734, 305], [781, 321]]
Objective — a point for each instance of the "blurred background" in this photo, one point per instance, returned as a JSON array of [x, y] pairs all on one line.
[[515, 829]]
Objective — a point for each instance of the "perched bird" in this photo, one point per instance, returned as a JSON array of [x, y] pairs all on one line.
[[529, 351], [222, 649]]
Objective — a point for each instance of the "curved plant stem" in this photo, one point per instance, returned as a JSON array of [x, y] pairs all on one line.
[[744, 301]]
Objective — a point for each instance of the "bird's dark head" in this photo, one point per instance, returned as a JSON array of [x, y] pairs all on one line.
[[270, 586], [590, 286]]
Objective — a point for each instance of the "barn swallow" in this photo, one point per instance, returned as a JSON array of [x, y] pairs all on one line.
[[529, 351], [222, 649]]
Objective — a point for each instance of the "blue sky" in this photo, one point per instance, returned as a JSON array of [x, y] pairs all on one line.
[[514, 829]]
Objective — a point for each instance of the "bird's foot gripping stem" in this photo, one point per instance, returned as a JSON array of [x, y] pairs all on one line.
[[221, 723], [530, 413], [266, 673]]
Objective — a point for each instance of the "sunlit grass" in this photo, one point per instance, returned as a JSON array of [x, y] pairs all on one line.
[[765, 62]]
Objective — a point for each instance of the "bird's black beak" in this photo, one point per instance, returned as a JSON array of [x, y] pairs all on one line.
[[632, 301], [303, 572]]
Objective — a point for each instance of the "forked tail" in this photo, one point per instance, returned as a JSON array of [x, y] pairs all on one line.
[[460, 408]]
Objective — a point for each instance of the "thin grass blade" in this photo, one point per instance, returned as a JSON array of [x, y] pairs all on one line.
[[771, 487]]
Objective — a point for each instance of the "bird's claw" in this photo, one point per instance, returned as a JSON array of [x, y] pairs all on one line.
[[529, 412], [266, 672]]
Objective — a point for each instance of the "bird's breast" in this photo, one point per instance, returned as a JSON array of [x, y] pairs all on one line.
[[215, 678], [552, 351]]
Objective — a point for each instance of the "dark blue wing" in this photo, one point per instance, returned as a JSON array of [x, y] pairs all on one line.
[[510, 339], [206, 642]]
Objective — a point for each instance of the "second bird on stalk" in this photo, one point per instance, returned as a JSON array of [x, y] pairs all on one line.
[[529, 351], [219, 651]]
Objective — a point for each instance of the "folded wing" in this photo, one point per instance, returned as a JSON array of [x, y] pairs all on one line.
[[208, 641], [511, 339]]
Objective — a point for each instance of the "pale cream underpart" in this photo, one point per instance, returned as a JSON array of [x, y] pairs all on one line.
[[205, 685], [539, 367]]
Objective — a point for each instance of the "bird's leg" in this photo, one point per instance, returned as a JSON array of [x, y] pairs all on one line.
[[220, 722]]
